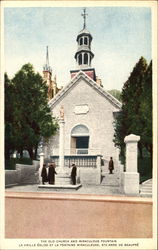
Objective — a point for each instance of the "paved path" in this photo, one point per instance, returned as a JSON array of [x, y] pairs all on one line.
[[86, 189]]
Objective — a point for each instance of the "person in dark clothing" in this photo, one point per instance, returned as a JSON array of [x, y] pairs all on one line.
[[44, 174], [73, 174], [111, 165], [51, 173]]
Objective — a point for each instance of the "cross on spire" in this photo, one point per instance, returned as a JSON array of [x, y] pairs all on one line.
[[84, 17]]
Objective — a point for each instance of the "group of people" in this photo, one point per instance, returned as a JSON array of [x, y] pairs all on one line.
[[50, 177]]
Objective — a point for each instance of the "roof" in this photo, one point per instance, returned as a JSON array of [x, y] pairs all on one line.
[[84, 32], [89, 81]]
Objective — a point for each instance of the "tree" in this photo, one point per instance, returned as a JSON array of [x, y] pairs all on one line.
[[134, 104], [146, 109], [32, 116], [8, 113], [116, 93]]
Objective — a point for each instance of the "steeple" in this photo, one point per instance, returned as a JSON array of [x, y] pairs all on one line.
[[46, 67], [47, 76], [84, 54]]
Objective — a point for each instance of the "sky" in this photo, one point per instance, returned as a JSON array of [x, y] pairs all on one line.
[[121, 35]]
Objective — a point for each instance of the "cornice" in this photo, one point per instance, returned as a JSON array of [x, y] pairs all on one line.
[[82, 75]]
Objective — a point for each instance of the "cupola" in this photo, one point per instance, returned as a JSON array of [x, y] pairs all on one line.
[[84, 54]]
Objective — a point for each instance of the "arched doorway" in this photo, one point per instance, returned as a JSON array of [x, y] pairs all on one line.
[[79, 139]]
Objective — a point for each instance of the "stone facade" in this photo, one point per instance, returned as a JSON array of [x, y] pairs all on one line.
[[85, 103]]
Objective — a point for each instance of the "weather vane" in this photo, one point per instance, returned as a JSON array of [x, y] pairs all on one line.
[[84, 17]]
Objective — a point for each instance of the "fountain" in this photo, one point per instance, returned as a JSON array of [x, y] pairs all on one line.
[[63, 176]]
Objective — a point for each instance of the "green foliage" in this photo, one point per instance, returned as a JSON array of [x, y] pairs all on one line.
[[9, 130], [145, 168], [11, 163], [136, 113], [116, 93], [31, 117], [146, 109]]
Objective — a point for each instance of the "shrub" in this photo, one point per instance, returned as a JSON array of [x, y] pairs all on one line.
[[11, 163]]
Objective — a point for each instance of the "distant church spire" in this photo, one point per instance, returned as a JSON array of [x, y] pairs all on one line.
[[84, 14], [47, 76], [47, 56], [46, 67]]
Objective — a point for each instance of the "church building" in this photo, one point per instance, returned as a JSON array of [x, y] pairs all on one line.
[[89, 110]]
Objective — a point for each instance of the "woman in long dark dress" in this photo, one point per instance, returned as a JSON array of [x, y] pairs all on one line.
[[44, 174], [51, 174]]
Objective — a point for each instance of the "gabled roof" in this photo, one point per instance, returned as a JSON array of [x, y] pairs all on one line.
[[74, 80]]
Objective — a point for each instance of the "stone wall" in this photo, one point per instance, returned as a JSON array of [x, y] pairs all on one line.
[[11, 177], [24, 174], [98, 119]]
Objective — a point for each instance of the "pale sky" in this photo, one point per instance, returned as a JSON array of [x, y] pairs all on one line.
[[121, 35]]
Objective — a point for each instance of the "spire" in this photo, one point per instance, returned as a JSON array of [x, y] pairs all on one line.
[[47, 56], [84, 17], [84, 54], [46, 67]]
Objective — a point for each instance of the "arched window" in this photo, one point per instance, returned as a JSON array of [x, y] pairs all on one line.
[[85, 58], [81, 41], [85, 41], [80, 59], [80, 130]]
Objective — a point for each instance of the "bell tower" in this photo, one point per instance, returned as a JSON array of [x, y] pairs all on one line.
[[84, 54], [47, 76], [47, 71]]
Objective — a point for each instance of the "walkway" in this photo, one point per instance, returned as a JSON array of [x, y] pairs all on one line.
[[86, 189]]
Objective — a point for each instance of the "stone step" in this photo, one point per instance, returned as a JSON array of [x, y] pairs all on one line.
[[110, 179], [49, 186], [147, 185], [145, 195], [146, 188], [147, 181], [146, 191]]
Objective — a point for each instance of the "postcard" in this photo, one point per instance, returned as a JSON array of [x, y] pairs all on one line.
[[79, 125]]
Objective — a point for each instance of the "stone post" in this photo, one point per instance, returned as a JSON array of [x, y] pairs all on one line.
[[63, 174], [131, 176], [61, 143], [98, 176], [41, 166]]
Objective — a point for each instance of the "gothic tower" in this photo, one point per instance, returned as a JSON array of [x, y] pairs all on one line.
[[47, 76]]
